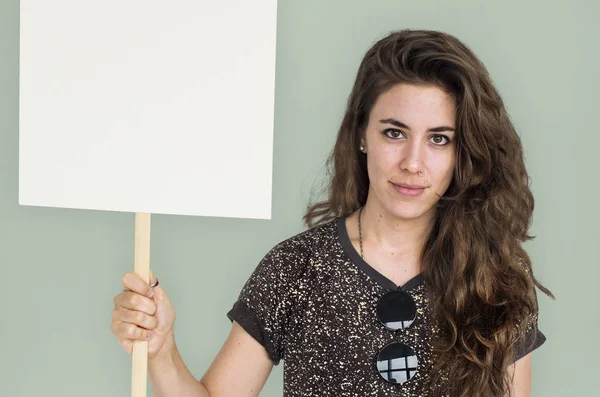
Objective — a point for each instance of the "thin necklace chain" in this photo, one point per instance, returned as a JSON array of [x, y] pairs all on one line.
[[360, 233]]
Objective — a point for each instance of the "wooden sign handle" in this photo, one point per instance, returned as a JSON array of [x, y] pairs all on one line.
[[139, 362]]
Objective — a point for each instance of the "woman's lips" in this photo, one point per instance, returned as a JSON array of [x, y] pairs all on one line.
[[407, 191]]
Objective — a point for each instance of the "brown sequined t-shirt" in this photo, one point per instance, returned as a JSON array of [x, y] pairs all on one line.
[[311, 301]]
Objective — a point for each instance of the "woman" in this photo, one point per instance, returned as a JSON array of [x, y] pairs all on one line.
[[411, 279]]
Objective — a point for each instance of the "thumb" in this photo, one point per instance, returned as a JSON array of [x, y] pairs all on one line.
[[152, 277], [159, 293]]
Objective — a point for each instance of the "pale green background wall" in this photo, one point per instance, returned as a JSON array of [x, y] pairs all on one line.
[[61, 268]]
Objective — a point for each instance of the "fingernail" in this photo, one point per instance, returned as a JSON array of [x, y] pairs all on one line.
[[150, 294], [149, 335]]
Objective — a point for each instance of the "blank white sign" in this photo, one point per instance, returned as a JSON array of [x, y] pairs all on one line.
[[148, 106]]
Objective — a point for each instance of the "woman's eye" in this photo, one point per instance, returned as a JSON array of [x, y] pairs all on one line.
[[436, 137], [437, 140], [391, 130]]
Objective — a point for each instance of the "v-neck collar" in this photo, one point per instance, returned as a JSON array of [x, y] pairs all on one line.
[[370, 271]]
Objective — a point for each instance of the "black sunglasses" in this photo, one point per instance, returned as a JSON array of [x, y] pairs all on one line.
[[396, 362]]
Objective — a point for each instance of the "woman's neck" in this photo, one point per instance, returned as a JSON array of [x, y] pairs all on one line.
[[402, 238]]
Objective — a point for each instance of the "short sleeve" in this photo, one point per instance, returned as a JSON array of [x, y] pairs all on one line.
[[266, 301], [533, 339]]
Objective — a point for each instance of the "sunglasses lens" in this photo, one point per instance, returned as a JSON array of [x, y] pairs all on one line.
[[397, 363], [396, 310]]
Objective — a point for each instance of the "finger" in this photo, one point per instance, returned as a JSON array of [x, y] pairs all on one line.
[[152, 277], [134, 301], [134, 282], [127, 345], [130, 331], [140, 319], [159, 294]]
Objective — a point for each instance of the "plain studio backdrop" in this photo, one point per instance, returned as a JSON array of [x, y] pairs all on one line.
[[61, 267]]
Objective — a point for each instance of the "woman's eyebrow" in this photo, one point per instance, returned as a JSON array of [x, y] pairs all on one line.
[[402, 125]]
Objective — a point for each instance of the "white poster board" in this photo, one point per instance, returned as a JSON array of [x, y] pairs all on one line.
[[148, 106]]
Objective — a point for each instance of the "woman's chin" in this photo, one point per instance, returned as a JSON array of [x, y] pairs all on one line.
[[411, 211]]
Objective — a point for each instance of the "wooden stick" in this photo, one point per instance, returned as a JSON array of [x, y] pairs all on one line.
[[139, 362]]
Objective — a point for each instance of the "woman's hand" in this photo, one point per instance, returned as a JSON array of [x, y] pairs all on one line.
[[136, 316]]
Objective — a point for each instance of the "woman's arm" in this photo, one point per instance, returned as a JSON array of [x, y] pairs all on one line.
[[241, 368], [520, 372]]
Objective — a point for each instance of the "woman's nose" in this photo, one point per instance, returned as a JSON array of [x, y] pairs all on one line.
[[413, 157]]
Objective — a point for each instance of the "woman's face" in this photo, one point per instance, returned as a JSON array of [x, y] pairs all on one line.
[[410, 139]]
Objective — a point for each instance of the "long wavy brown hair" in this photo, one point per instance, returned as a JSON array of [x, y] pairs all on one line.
[[481, 279]]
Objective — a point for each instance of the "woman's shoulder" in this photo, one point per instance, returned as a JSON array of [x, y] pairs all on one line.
[[309, 240], [294, 253]]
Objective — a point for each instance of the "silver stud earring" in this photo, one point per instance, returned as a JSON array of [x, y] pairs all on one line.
[[362, 148]]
